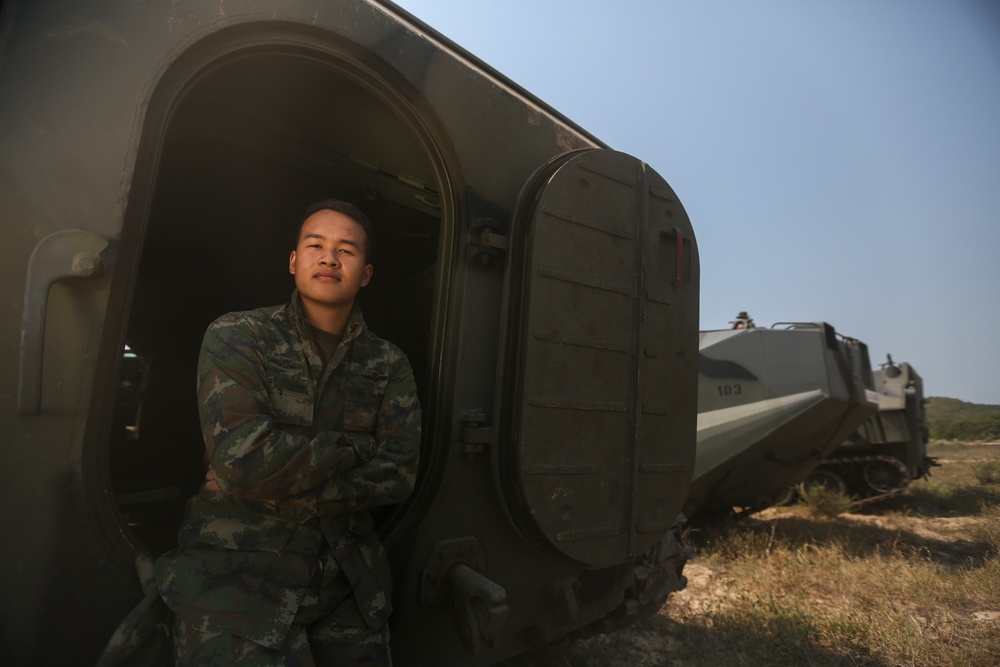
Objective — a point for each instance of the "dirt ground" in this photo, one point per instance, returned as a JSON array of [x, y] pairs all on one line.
[[917, 523]]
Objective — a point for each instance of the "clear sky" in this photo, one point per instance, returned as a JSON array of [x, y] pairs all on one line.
[[839, 159]]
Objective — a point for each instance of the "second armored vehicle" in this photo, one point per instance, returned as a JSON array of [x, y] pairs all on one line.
[[772, 403]]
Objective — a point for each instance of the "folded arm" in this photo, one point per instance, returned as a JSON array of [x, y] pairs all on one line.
[[250, 455]]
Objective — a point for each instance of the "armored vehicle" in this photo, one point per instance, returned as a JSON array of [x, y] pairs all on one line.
[[156, 157], [889, 450], [772, 403]]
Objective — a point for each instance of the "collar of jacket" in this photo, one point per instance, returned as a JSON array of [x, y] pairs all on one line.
[[355, 322]]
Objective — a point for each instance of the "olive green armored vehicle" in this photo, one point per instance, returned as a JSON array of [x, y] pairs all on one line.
[[155, 159], [889, 450], [772, 404]]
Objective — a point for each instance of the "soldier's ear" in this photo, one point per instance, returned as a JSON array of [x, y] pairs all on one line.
[[291, 263], [366, 274]]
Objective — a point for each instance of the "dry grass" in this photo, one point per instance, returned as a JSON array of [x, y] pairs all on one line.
[[987, 472], [915, 582]]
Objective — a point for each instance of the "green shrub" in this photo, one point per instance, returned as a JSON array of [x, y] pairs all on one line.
[[823, 501]]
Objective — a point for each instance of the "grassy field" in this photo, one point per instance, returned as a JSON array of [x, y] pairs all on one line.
[[913, 581]]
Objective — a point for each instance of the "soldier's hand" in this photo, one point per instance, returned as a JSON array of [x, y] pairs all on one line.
[[212, 485]]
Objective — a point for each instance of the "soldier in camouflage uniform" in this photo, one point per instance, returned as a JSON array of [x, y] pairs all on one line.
[[309, 420]]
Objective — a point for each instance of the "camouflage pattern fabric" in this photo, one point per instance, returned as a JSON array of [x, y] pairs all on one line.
[[318, 637], [300, 452], [143, 637]]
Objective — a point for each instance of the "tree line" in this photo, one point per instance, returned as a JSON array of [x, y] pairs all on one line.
[[952, 419]]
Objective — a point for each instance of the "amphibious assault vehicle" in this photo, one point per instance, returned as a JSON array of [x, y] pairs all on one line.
[[772, 404], [889, 450], [156, 157]]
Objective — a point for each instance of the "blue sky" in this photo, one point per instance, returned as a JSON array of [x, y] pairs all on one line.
[[839, 159]]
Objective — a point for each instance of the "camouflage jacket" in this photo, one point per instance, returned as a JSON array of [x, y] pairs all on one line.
[[300, 452]]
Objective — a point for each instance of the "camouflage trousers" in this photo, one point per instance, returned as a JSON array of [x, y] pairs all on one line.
[[331, 632]]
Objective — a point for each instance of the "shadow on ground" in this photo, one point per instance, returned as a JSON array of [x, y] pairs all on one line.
[[783, 639]]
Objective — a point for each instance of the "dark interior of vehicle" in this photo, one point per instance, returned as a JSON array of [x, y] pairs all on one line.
[[249, 146]]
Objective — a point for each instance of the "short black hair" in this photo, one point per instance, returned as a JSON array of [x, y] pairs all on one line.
[[348, 209]]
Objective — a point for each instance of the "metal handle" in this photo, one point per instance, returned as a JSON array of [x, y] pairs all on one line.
[[71, 253]]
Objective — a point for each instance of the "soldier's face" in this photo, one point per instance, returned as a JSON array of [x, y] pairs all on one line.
[[329, 261]]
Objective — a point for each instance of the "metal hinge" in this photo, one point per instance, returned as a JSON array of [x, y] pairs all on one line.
[[475, 438], [487, 244]]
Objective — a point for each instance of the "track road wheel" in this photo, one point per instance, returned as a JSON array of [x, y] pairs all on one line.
[[825, 478], [883, 477]]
